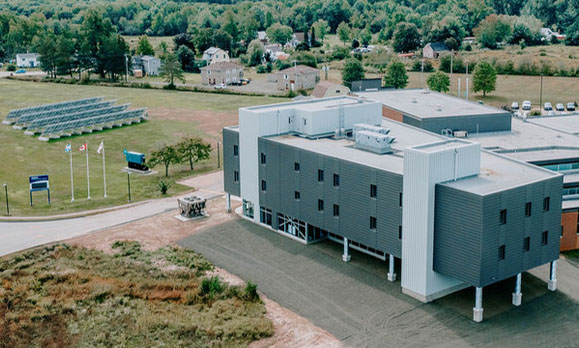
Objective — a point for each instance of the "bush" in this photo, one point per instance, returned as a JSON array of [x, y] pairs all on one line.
[[251, 292], [127, 248], [11, 67], [163, 187], [212, 286], [340, 53], [261, 69], [468, 47], [417, 66]]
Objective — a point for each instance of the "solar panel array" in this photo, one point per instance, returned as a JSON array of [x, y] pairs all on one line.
[[73, 117]]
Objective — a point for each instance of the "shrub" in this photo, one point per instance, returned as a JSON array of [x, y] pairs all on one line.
[[468, 47], [417, 66], [11, 67], [127, 248], [340, 53], [163, 187], [261, 69], [251, 292], [212, 286]]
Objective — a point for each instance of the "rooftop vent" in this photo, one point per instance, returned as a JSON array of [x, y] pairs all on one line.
[[414, 100], [374, 142], [368, 127]]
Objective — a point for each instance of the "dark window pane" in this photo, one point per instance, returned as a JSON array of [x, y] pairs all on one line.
[[503, 218], [527, 244], [528, 208], [502, 252], [373, 191]]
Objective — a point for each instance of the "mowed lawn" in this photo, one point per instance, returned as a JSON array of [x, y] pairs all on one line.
[[22, 155]]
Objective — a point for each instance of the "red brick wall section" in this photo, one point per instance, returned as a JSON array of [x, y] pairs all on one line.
[[569, 223], [392, 114]]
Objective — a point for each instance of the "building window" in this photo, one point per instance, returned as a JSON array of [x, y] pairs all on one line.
[[296, 166], [265, 216], [297, 195], [545, 237], [400, 199], [503, 217], [527, 244], [320, 205], [546, 203], [528, 208], [320, 175], [263, 185], [400, 232], [373, 191], [502, 252], [263, 158], [372, 222], [235, 150], [235, 176], [336, 180], [336, 210]]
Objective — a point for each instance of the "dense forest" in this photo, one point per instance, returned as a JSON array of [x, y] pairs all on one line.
[[27, 25]]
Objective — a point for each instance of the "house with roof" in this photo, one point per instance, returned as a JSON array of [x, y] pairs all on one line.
[[434, 50], [329, 89], [221, 72], [297, 38], [275, 52], [262, 37], [146, 65], [215, 55], [297, 77], [27, 60]]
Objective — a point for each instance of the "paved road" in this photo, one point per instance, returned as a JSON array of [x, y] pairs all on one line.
[[357, 304], [16, 236]]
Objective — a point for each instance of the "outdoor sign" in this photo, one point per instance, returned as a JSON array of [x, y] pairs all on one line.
[[39, 183]]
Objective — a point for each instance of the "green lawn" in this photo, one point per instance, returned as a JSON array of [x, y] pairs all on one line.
[[23, 155]]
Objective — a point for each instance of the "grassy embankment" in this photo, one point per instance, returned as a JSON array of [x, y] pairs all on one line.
[[22, 155], [61, 296]]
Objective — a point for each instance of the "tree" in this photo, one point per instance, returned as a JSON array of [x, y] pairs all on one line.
[[572, 38], [255, 53], [193, 149], [353, 71], [396, 75], [335, 12], [96, 30], [485, 78], [344, 32], [112, 55], [186, 58], [406, 37], [279, 33], [47, 49], [321, 28], [144, 47], [171, 70], [184, 40], [166, 155], [438, 82]]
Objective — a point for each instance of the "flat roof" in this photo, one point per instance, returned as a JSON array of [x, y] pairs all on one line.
[[311, 104], [497, 172], [421, 103], [568, 124]]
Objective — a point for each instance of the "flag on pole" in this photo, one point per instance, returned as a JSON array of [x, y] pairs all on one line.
[[67, 148], [82, 148], [101, 147]]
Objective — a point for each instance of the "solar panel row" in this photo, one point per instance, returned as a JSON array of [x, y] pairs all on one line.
[[24, 120], [15, 114], [38, 125]]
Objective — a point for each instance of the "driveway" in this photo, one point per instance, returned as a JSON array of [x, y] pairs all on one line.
[[357, 304]]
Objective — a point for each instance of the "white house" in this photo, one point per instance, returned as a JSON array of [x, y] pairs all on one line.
[[215, 55], [27, 60], [149, 65]]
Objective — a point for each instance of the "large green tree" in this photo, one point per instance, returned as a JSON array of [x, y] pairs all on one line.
[[352, 71], [279, 33], [485, 78], [438, 82], [344, 32], [406, 37], [144, 47], [255, 53], [193, 150], [396, 76], [321, 29], [166, 155], [171, 70]]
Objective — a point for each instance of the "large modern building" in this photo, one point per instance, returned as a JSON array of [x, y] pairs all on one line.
[[551, 142], [455, 215]]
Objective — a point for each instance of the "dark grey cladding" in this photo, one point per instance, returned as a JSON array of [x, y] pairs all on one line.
[[231, 161]]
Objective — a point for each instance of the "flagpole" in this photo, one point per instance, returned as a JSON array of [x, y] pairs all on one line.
[[104, 171], [71, 176], [87, 172]]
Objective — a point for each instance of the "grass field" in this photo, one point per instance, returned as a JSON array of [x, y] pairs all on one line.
[[173, 114], [61, 296]]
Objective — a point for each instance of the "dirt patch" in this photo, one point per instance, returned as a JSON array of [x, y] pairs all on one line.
[[291, 330], [209, 122]]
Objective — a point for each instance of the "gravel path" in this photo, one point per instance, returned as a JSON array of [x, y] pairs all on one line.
[[356, 303]]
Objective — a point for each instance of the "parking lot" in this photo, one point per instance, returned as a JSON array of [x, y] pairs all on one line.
[[355, 302]]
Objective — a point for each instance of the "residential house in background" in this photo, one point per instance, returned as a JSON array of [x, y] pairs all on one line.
[[222, 72], [275, 52], [329, 89], [215, 55], [298, 77], [146, 65], [547, 34], [297, 38], [27, 60], [262, 37], [434, 50]]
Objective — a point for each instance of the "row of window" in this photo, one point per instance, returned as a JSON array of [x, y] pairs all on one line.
[[528, 210], [526, 244]]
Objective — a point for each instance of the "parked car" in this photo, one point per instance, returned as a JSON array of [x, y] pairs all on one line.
[[527, 105], [245, 81], [548, 106], [21, 71], [515, 106], [220, 86], [236, 83], [560, 107], [571, 106]]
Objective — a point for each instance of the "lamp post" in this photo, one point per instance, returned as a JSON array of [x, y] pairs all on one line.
[[541, 94], [129, 184], [126, 68], [7, 204], [218, 156]]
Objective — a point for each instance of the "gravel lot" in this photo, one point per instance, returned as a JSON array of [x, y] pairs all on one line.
[[356, 303]]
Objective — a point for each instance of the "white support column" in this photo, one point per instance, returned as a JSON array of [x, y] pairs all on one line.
[[517, 296], [477, 311], [552, 284], [391, 274], [346, 256], [228, 202]]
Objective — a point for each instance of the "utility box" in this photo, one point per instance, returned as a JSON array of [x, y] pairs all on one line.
[[136, 160]]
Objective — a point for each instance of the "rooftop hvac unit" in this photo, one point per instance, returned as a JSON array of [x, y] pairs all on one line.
[[368, 127], [460, 134], [374, 142]]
